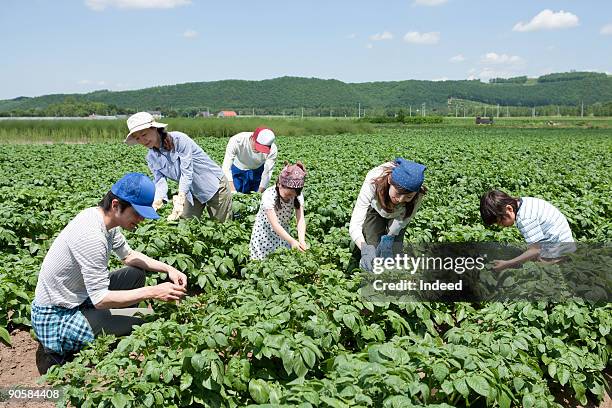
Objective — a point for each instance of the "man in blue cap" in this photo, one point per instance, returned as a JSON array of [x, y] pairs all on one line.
[[76, 297], [390, 196]]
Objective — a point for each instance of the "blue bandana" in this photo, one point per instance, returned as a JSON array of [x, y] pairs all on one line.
[[408, 174]]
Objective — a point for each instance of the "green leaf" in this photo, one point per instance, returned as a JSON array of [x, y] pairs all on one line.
[[308, 356], [119, 400], [528, 401], [149, 400], [505, 349], [552, 369], [563, 375], [5, 336], [333, 402], [479, 384], [186, 380], [504, 400], [440, 371], [299, 368], [259, 390], [580, 391], [168, 375], [447, 387], [220, 339], [198, 362], [518, 383], [462, 387]]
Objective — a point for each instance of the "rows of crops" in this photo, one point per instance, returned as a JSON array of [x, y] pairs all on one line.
[[294, 330]]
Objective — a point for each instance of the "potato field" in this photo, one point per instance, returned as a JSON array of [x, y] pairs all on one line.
[[294, 330]]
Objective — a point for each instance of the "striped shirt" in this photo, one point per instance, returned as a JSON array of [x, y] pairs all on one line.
[[76, 266], [367, 198], [240, 153], [197, 174], [541, 222]]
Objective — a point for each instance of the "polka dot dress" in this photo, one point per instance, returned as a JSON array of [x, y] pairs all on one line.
[[263, 238]]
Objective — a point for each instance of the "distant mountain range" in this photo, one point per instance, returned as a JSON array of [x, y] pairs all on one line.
[[567, 89]]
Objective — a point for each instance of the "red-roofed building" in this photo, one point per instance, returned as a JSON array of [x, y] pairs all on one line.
[[226, 114]]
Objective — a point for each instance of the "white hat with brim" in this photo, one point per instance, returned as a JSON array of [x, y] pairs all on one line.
[[140, 121]]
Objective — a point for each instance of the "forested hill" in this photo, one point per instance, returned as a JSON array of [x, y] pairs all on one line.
[[292, 92]]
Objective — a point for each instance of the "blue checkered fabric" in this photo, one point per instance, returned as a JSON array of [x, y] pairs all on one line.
[[61, 330]]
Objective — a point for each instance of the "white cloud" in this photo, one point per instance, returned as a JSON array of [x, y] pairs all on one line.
[[99, 5], [606, 30], [415, 37], [498, 59], [351, 36], [457, 58], [548, 20], [190, 34], [90, 82], [430, 3], [487, 73], [381, 36]]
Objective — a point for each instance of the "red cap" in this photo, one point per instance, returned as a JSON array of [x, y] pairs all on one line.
[[263, 138]]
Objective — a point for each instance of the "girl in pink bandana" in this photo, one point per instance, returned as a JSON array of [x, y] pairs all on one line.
[[278, 203]]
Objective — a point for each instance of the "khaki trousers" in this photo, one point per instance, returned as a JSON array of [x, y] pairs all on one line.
[[218, 207]]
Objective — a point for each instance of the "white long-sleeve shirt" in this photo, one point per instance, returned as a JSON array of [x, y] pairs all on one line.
[[240, 153], [367, 198]]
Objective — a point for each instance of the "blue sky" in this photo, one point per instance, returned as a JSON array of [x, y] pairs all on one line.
[[67, 46]]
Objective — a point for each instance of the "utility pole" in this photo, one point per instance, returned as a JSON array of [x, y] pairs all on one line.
[[423, 109], [359, 110], [456, 110], [330, 113], [582, 109], [485, 110], [410, 110], [302, 113], [533, 112], [498, 110]]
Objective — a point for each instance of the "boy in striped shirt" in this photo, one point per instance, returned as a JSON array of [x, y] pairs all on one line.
[[543, 226]]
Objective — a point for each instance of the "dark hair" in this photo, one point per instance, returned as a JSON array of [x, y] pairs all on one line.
[[493, 206], [382, 185], [107, 201], [163, 134], [296, 202]]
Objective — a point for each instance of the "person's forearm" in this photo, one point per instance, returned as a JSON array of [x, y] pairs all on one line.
[[359, 243], [278, 228], [529, 255], [301, 230], [116, 299], [140, 260], [231, 184], [282, 233]]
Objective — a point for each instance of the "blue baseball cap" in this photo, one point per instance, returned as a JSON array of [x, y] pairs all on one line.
[[138, 190], [408, 174]]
